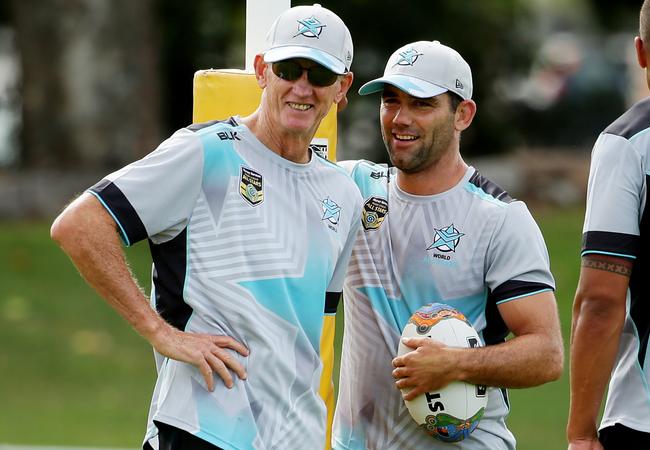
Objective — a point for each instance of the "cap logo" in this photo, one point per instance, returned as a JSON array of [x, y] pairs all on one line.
[[408, 57], [459, 85], [311, 27]]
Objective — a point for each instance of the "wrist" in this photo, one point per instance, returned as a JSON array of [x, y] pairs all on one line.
[[581, 432], [464, 362], [152, 327]]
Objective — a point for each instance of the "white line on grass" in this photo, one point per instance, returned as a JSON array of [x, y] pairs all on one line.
[[26, 447]]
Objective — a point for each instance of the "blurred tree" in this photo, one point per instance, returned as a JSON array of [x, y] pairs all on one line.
[[104, 81], [618, 15], [200, 34], [90, 86]]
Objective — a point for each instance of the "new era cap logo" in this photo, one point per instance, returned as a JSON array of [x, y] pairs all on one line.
[[408, 57], [459, 85], [311, 27]]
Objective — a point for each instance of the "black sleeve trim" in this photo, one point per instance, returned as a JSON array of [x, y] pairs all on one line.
[[515, 288], [489, 187], [332, 302], [120, 208], [495, 330], [609, 243]]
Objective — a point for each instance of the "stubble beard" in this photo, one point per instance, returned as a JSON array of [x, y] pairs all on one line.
[[423, 156]]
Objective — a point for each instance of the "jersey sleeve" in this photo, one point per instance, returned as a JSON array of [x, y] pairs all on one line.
[[616, 176], [518, 262], [154, 196]]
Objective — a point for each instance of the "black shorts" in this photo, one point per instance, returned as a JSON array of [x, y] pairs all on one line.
[[172, 438], [620, 437]]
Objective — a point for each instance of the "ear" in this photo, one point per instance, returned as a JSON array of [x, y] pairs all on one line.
[[464, 114], [341, 98], [641, 55], [260, 70]]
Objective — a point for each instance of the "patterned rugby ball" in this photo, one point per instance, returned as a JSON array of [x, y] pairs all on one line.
[[453, 412]]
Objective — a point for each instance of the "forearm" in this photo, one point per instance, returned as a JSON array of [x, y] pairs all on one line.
[[523, 361], [87, 234], [534, 356], [594, 343]]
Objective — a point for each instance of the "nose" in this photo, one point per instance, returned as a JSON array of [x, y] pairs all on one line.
[[402, 116], [302, 86]]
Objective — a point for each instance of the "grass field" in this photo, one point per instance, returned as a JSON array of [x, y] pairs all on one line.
[[73, 373]]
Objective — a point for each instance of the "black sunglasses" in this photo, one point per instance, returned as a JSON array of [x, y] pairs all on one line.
[[291, 70]]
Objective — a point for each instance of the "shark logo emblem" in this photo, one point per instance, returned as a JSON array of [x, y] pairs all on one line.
[[446, 239], [408, 57], [331, 211], [311, 27]]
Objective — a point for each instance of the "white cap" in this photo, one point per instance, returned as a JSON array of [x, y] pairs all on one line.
[[425, 69], [311, 32]]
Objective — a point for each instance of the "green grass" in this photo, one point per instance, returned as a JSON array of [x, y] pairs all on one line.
[[73, 373]]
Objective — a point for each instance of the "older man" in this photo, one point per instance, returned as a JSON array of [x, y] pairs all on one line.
[[250, 234]]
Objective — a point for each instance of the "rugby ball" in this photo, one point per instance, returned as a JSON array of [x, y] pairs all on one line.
[[453, 412]]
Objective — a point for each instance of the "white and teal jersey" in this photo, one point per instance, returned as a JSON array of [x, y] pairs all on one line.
[[617, 223], [246, 244], [471, 247]]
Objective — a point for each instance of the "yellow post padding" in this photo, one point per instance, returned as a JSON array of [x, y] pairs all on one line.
[[219, 94]]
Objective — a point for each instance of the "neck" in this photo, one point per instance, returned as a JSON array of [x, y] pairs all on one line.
[[441, 176], [291, 146]]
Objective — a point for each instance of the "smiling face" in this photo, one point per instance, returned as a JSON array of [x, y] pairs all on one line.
[[297, 107], [417, 131]]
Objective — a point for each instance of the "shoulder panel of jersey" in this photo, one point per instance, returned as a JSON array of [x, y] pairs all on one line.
[[199, 126], [632, 122], [153, 196], [371, 178], [617, 185], [486, 187], [519, 263]]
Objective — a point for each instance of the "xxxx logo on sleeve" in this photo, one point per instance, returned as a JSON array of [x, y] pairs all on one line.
[[374, 213], [251, 186]]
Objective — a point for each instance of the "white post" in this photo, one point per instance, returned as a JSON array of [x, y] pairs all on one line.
[[260, 15]]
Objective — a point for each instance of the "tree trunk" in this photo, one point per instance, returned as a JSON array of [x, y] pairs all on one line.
[[90, 82]]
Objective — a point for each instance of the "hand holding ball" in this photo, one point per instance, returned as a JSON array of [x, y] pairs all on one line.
[[453, 412]]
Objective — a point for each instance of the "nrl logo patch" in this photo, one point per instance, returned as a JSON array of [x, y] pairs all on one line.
[[446, 239], [251, 186], [374, 213]]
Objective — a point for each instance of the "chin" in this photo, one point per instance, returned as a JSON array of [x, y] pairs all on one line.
[[300, 124]]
